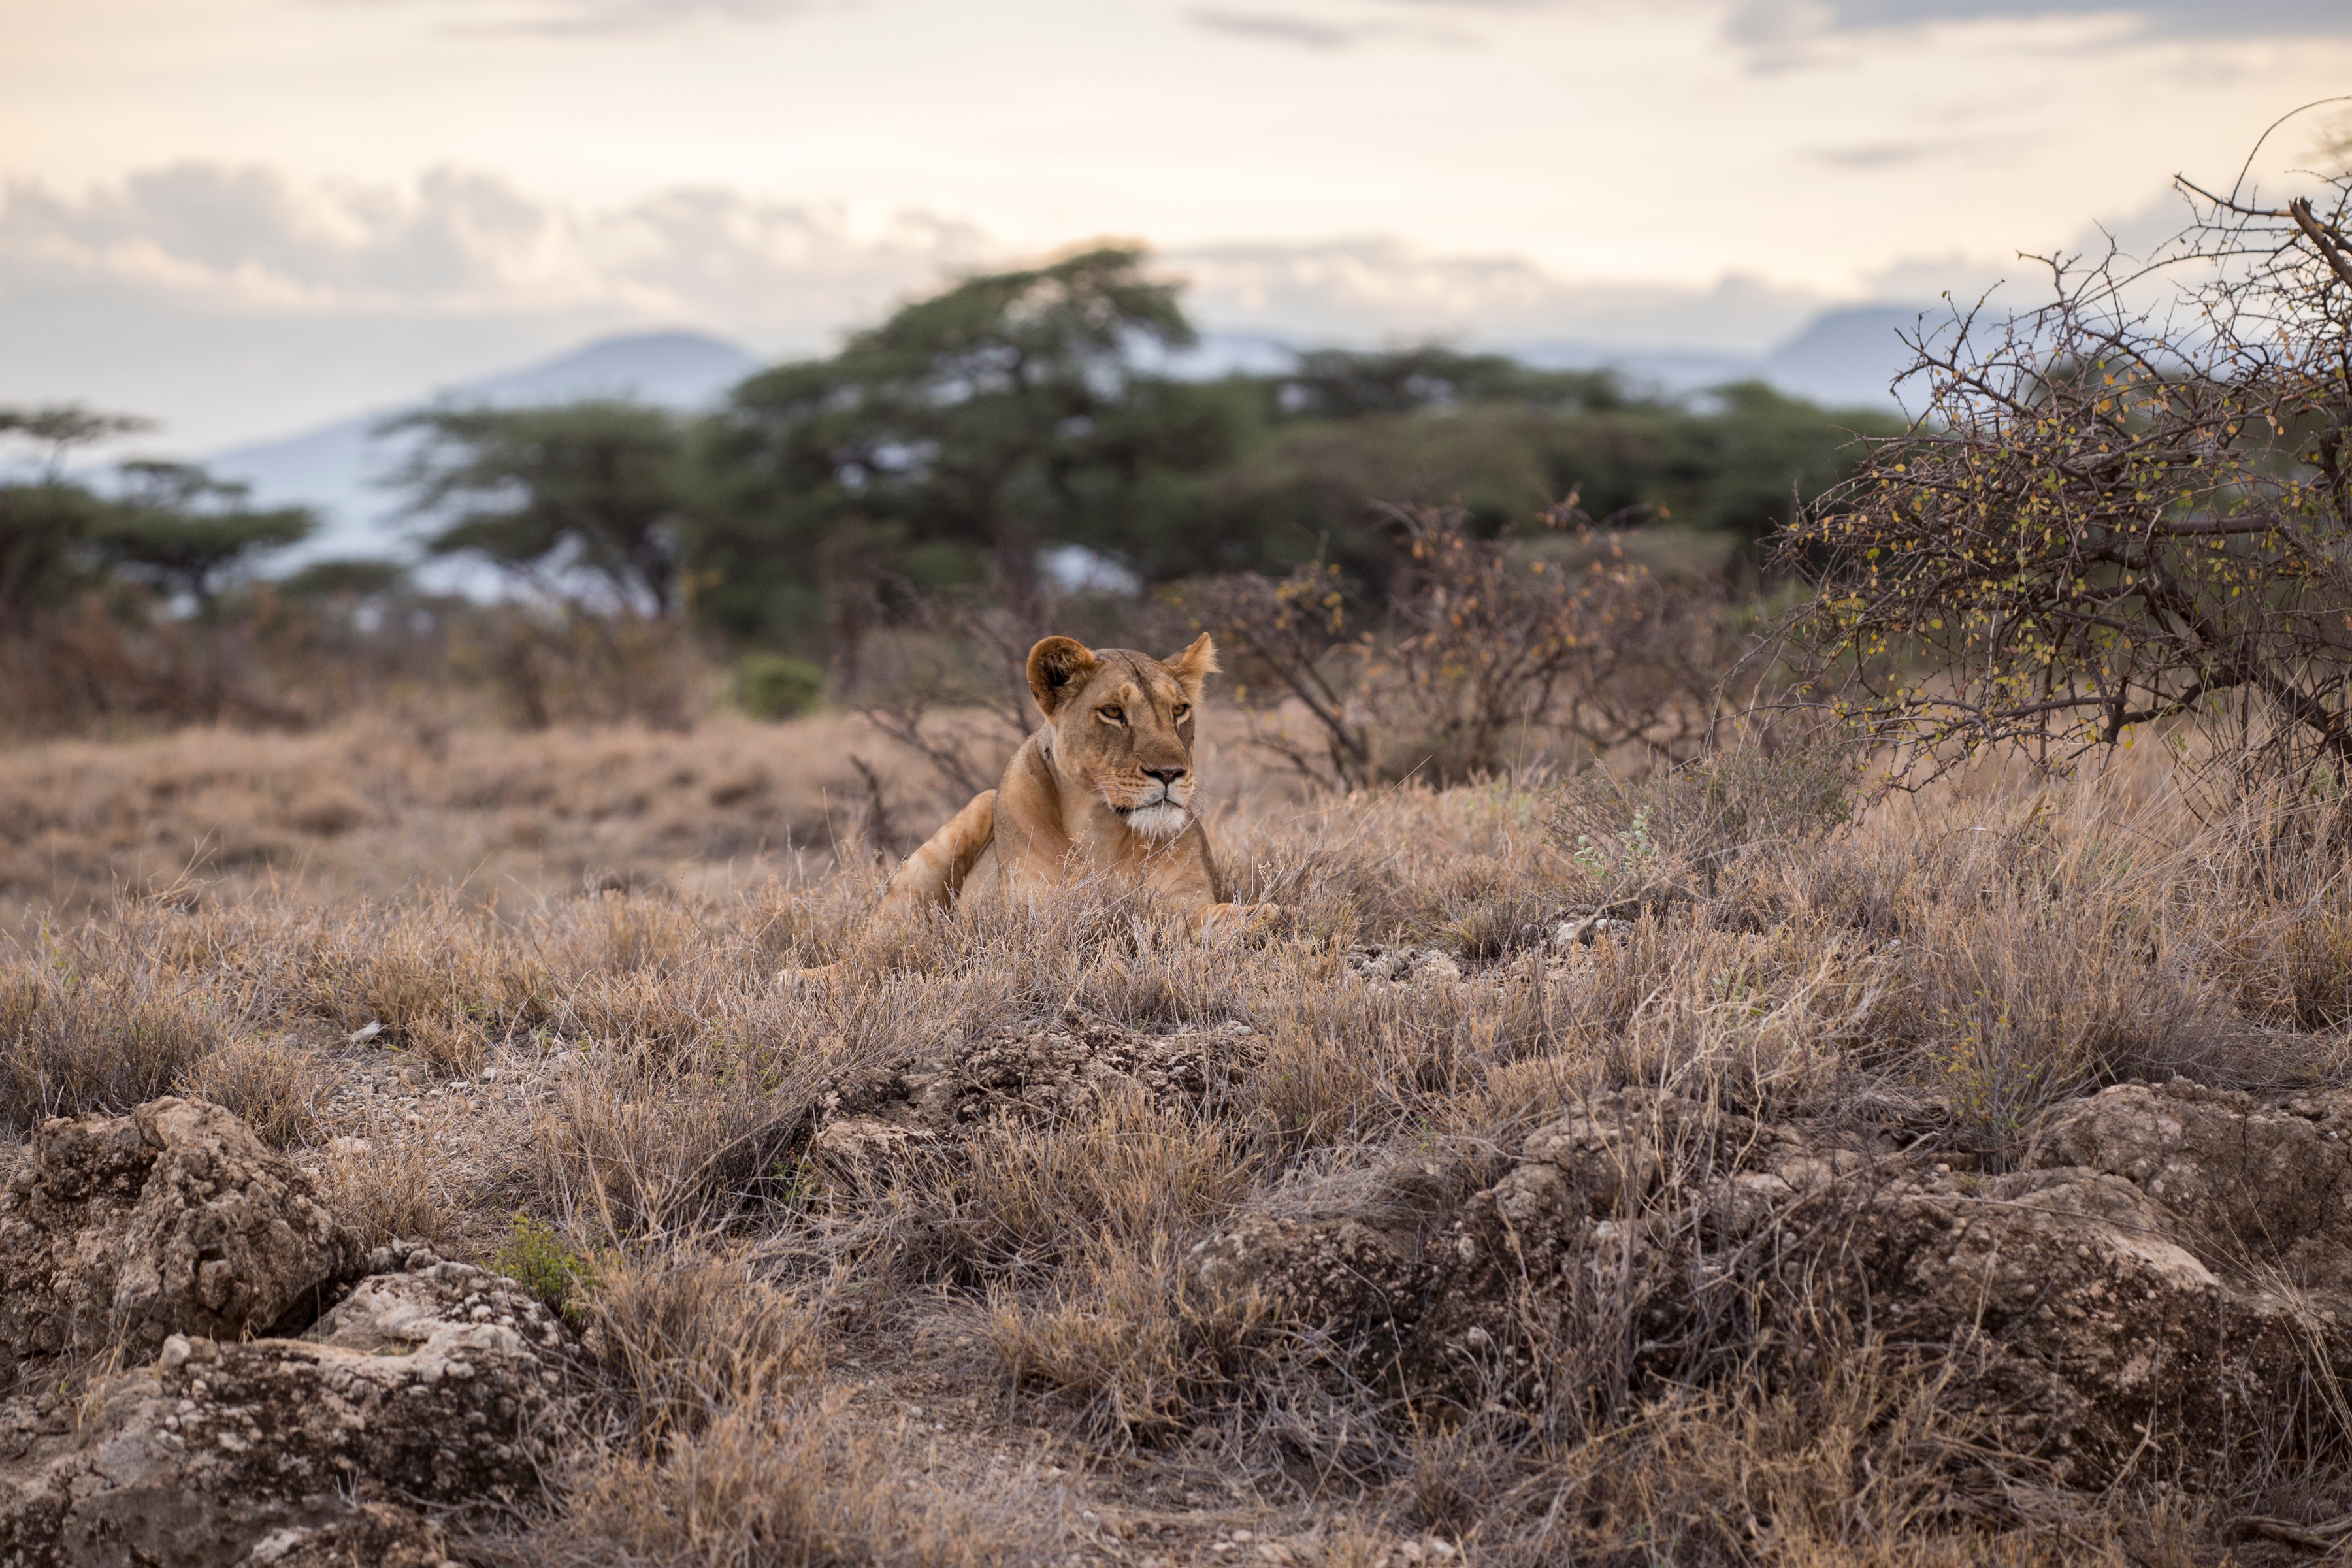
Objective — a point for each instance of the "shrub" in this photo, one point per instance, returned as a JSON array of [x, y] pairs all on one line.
[[275, 1085], [539, 1259], [775, 685], [1486, 653], [2114, 512], [1637, 835], [74, 1040]]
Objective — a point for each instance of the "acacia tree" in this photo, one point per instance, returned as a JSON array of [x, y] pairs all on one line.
[[1015, 411], [45, 520], [2131, 505], [176, 528], [595, 487]]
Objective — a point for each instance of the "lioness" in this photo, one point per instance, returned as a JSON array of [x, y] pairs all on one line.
[[1106, 786]]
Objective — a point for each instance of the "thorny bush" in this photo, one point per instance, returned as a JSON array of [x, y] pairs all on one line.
[[2128, 506], [1487, 655]]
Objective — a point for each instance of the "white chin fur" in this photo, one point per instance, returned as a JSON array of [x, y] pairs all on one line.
[[1162, 820]]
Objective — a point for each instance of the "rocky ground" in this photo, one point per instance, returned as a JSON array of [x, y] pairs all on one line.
[[202, 1366], [1961, 1188]]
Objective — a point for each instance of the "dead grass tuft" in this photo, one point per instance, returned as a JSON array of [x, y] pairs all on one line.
[[277, 1085], [685, 1338], [97, 1026], [801, 1486]]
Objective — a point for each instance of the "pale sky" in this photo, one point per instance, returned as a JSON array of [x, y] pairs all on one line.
[[242, 215]]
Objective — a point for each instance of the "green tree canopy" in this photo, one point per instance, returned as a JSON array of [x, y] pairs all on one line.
[[1504, 447], [1342, 384], [596, 487], [1012, 412], [176, 528], [47, 521]]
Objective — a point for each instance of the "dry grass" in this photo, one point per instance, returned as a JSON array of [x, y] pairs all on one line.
[[999, 1358], [382, 803]]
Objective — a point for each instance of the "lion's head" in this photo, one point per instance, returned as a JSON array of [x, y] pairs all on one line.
[[1122, 725]]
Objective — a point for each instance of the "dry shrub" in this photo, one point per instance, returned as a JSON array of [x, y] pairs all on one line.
[[1488, 653], [688, 1337], [328, 809], [275, 1085], [724, 1447], [1127, 1341], [634, 1145], [1024, 1198], [438, 976], [1978, 951], [398, 800], [556, 663], [392, 1190], [1856, 1463], [96, 1030], [804, 1486]]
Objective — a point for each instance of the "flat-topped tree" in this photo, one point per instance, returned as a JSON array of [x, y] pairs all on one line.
[[187, 533], [596, 487], [47, 520], [1015, 411]]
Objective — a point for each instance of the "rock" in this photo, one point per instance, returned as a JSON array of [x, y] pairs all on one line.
[[1336, 1271], [2169, 1275], [1583, 931], [1037, 1069], [1403, 965], [863, 1150], [373, 1535], [172, 1220], [2273, 1179], [444, 1385]]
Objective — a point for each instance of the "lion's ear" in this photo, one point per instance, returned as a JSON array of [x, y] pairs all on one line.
[[1058, 665], [1194, 664]]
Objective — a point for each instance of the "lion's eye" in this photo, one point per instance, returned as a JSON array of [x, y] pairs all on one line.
[[1113, 714], [1179, 710]]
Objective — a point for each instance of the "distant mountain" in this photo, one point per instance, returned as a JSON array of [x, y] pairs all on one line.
[[1674, 371], [1844, 357], [1847, 357], [338, 468]]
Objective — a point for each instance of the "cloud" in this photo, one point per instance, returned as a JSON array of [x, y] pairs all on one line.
[[592, 18], [1773, 26], [1277, 28], [251, 241], [1376, 288], [1785, 21], [1874, 156], [246, 240], [238, 301]]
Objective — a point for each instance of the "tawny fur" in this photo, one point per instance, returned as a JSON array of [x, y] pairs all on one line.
[[1105, 788]]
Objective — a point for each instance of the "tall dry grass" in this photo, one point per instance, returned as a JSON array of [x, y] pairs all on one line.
[[623, 1064]]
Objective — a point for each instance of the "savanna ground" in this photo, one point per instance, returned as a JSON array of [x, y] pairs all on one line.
[[519, 996]]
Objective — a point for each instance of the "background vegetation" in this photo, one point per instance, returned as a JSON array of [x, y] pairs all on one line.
[[1016, 440]]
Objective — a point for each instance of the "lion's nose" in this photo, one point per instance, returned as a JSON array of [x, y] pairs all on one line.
[[1165, 775]]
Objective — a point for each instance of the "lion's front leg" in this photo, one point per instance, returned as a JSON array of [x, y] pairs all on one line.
[[934, 874]]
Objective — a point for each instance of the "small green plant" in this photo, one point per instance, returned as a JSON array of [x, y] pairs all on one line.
[[1635, 848], [536, 1256], [775, 685]]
